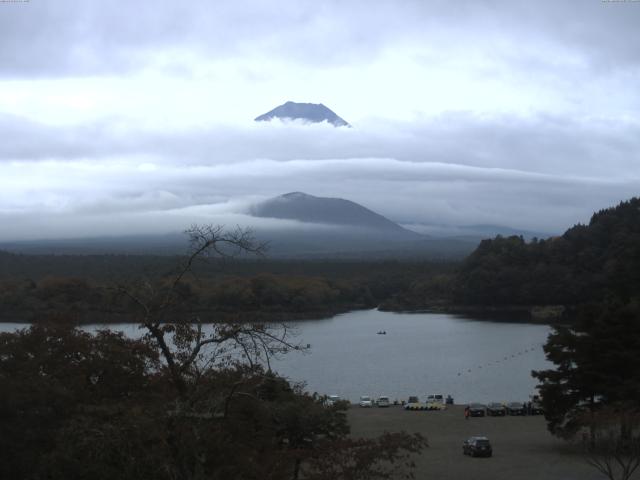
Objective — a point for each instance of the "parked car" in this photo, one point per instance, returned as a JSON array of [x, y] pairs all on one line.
[[495, 409], [435, 398], [414, 404], [365, 401], [332, 400], [477, 446], [515, 408], [536, 408], [383, 401], [476, 410]]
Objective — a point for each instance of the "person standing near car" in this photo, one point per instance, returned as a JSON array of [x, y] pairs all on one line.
[[466, 412]]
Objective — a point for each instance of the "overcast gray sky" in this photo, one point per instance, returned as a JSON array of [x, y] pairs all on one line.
[[131, 117]]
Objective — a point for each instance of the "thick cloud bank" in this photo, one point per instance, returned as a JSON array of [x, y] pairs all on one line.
[[134, 117], [461, 171]]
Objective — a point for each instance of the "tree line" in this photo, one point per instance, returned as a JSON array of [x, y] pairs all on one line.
[[80, 288], [268, 296], [586, 263]]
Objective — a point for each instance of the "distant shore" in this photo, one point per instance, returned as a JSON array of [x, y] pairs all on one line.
[[543, 314], [262, 316], [527, 314]]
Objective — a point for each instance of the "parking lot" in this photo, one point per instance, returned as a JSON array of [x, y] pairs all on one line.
[[522, 447]]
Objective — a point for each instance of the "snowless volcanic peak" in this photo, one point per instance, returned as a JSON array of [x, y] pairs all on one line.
[[308, 112], [337, 211]]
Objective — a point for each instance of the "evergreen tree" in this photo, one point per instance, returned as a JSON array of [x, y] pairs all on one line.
[[597, 365], [586, 263]]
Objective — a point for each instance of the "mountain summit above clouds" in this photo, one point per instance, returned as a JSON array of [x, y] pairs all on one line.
[[308, 112]]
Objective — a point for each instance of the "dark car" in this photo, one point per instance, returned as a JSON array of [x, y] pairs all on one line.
[[477, 446], [495, 409], [515, 408], [476, 410], [536, 408]]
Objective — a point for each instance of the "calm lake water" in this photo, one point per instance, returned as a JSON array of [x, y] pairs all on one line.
[[421, 353]]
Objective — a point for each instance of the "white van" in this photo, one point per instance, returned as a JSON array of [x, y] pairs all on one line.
[[435, 398]]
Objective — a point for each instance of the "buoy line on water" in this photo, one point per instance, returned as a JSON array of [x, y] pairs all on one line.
[[504, 359]]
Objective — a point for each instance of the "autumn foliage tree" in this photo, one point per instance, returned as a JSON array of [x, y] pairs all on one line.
[[56, 376]]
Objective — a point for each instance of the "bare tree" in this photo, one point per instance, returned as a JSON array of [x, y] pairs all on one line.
[[612, 442], [187, 347], [193, 351]]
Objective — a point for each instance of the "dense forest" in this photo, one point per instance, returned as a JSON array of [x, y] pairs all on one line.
[[87, 288], [587, 263]]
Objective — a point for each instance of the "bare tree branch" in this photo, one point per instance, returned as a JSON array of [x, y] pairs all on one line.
[[612, 445], [187, 343]]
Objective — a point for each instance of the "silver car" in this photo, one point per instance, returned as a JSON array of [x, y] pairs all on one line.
[[365, 401]]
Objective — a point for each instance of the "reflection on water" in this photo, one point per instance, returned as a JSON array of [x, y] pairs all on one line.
[[421, 353]]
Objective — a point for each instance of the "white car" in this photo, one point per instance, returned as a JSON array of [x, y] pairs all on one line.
[[435, 398], [365, 401], [383, 401], [332, 400]]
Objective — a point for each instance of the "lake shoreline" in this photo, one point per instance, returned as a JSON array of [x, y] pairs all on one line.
[[536, 314], [214, 316], [543, 315]]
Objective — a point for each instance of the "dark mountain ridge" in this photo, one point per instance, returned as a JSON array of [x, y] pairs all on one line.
[[339, 228], [334, 211]]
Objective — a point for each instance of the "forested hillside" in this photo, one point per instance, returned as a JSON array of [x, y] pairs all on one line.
[[587, 263], [85, 288]]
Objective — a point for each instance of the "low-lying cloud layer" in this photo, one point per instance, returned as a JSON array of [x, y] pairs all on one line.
[[460, 171]]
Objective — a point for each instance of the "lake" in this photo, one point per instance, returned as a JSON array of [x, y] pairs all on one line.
[[421, 353]]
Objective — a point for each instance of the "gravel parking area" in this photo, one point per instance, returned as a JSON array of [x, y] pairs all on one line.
[[522, 447]]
